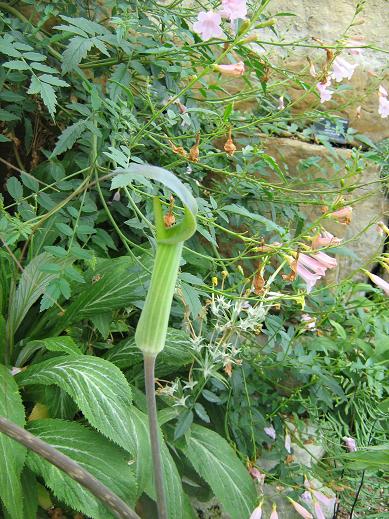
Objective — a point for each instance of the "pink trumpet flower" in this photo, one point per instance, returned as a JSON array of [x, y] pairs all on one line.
[[234, 70], [350, 444], [301, 510], [288, 443], [381, 283], [342, 69], [324, 239], [257, 513], [271, 432], [318, 510], [383, 107], [325, 93], [325, 260], [234, 9], [208, 25], [343, 215], [274, 514]]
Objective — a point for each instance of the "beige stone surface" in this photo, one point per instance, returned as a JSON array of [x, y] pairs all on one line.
[[363, 239]]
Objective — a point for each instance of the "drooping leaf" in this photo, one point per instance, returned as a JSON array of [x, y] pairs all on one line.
[[68, 137], [31, 286], [12, 454], [63, 344], [107, 462], [216, 462]]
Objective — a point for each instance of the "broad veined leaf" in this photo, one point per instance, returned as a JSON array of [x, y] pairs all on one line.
[[176, 353], [216, 462], [32, 285], [12, 454], [115, 283], [107, 462], [97, 386], [63, 344]]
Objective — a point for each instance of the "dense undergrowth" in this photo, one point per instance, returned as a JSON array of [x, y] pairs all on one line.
[[266, 353]]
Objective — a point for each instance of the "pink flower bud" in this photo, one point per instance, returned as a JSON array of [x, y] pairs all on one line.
[[324, 239], [350, 444], [274, 514], [288, 442], [383, 107], [381, 283], [301, 510], [234, 70], [270, 431], [257, 513]]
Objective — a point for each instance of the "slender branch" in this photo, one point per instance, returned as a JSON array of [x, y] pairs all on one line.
[[70, 467], [149, 363]]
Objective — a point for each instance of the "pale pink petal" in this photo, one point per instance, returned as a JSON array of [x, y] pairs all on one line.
[[324, 239], [257, 513], [383, 107], [270, 431], [301, 510], [327, 501], [314, 265], [342, 69], [318, 511], [343, 215], [381, 283], [310, 322], [325, 260], [306, 496], [325, 93], [234, 70], [208, 25], [274, 514], [234, 9], [382, 91], [281, 104], [309, 278], [288, 442], [350, 443]]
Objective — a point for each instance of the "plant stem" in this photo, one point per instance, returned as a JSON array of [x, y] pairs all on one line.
[[149, 364], [70, 467]]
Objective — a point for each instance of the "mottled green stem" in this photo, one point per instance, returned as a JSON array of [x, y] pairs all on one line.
[[149, 364]]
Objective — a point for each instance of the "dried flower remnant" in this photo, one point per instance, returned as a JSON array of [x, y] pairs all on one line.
[[169, 218], [233, 70], [178, 150], [383, 102], [312, 69], [343, 215], [270, 431], [234, 9], [325, 93], [257, 475], [324, 240], [301, 510], [342, 69], [194, 151], [208, 25], [350, 444], [229, 146]]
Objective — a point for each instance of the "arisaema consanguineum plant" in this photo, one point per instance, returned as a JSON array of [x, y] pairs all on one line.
[[150, 335]]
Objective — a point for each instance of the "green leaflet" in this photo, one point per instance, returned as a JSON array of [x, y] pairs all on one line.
[[63, 344], [12, 454], [107, 462], [216, 462]]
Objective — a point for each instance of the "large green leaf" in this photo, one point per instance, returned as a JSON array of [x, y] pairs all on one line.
[[98, 387], [64, 344], [176, 353], [107, 462], [114, 283], [216, 462], [12, 454], [32, 285]]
